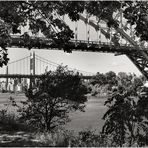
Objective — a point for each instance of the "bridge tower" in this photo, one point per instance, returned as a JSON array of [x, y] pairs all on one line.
[[32, 63], [32, 68]]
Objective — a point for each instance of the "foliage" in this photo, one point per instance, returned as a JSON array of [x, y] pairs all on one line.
[[111, 79], [103, 79], [88, 138], [98, 79], [7, 121], [136, 14], [50, 139], [118, 116], [52, 97], [108, 81], [10, 122], [4, 41], [125, 122]]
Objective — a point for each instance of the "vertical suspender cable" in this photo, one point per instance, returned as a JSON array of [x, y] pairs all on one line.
[[76, 32], [23, 66], [16, 68], [40, 66], [27, 64], [121, 17], [43, 67], [108, 31], [20, 66], [86, 24], [13, 68], [131, 34], [36, 64], [110, 36], [20, 62], [30, 61], [100, 35], [88, 31], [97, 30]]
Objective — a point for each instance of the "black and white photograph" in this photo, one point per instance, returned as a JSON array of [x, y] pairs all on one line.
[[74, 73]]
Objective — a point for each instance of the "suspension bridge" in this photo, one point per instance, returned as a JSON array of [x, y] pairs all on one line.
[[33, 66], [91, 36], [29, 68]]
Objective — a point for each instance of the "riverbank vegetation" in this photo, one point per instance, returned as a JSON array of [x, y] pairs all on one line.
[[103, 84]]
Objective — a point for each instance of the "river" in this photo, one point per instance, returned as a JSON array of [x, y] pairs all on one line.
[[91, 118]]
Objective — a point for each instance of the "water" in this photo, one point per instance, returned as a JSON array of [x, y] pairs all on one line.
[[91, 118]]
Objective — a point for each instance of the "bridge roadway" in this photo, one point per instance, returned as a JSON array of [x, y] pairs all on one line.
[[33, 76], [77, 45]]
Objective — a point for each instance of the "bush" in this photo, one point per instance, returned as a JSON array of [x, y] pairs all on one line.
[[11, 122], [9, 118], [88, 138]]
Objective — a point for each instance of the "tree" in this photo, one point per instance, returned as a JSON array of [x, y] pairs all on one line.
[[52, 98], [124, 79], [111, 79], [99, 79], [125, 119], [118, 116]]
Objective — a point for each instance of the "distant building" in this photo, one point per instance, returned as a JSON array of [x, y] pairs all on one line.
[[3, 85]]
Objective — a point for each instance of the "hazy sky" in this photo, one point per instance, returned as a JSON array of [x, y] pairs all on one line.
[[86, 61]]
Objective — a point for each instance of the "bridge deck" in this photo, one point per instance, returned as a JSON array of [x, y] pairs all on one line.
[[33, 76], [80, 45]]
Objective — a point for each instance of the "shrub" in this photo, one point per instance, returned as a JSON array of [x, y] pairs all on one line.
[[88, 138], [11, 122]]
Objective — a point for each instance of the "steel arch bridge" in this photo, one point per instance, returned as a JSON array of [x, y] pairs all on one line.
[[92, 36]]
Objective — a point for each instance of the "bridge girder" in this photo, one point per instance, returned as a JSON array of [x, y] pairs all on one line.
[[34, 76], [140, 62], [79, 45]]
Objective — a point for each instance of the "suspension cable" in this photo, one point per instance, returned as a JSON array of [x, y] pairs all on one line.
[[19, 60]]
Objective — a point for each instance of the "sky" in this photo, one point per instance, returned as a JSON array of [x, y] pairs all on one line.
[[86, 61]]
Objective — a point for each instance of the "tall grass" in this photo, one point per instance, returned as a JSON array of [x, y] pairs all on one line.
[[85, 138]]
